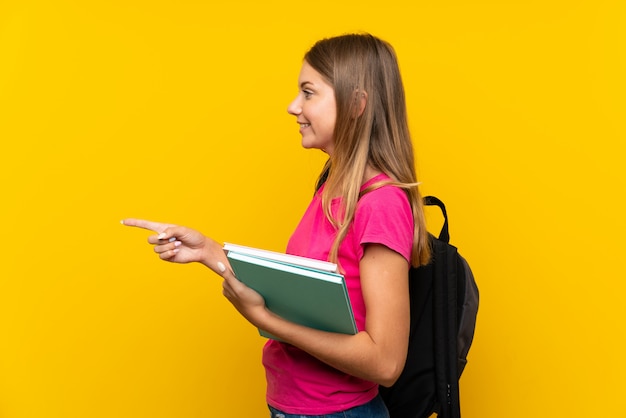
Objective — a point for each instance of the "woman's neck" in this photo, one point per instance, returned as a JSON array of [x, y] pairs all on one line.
[[369, 174]]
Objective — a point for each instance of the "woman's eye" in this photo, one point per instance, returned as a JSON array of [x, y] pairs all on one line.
[[307, 93]]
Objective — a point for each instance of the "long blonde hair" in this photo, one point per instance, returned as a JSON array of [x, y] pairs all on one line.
[[363, 67]]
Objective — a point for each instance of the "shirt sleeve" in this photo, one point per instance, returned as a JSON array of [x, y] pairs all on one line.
[[384, 216]]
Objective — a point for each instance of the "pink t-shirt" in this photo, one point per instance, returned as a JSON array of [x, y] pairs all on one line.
[[298, 383]]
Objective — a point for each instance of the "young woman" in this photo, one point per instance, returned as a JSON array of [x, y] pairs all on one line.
[[366, 215]]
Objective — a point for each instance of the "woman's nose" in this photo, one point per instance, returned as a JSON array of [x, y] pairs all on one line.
[[295, 108]]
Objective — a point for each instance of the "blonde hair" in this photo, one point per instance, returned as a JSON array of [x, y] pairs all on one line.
[[363, 67]]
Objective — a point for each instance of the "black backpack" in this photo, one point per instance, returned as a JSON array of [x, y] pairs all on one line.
[[444, 306]]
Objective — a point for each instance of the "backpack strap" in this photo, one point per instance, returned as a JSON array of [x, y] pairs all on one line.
[[445, 319], [444, 235]]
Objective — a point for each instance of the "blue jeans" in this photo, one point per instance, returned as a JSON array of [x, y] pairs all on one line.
[[373, 409]]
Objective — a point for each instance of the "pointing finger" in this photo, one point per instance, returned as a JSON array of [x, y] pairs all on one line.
[[144, 224]]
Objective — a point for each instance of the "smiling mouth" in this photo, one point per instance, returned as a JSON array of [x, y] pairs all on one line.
[[305, 125]]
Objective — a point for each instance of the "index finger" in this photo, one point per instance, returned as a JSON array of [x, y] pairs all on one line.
[[149, 225]]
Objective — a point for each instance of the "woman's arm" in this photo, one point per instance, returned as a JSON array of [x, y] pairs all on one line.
[[376, 354], [179, 244]]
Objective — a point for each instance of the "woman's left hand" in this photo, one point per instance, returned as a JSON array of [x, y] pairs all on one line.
[[247, 301]]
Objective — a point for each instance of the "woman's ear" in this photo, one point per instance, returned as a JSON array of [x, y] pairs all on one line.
[[361, 101]]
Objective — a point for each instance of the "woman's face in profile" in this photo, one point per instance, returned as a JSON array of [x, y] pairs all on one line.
[[315, 110]]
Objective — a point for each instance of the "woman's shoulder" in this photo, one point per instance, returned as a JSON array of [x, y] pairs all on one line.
[[381, 185], [381, 195]]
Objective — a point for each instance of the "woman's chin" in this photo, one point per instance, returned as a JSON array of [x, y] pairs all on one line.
[[310, 145]]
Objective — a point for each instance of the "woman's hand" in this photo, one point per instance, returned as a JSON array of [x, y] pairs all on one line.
[[247, 301], [178, 244]]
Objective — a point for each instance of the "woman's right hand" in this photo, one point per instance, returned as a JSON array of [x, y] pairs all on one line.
[[178, 244]]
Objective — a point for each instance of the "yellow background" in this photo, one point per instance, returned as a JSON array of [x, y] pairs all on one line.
[[175, 111]]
